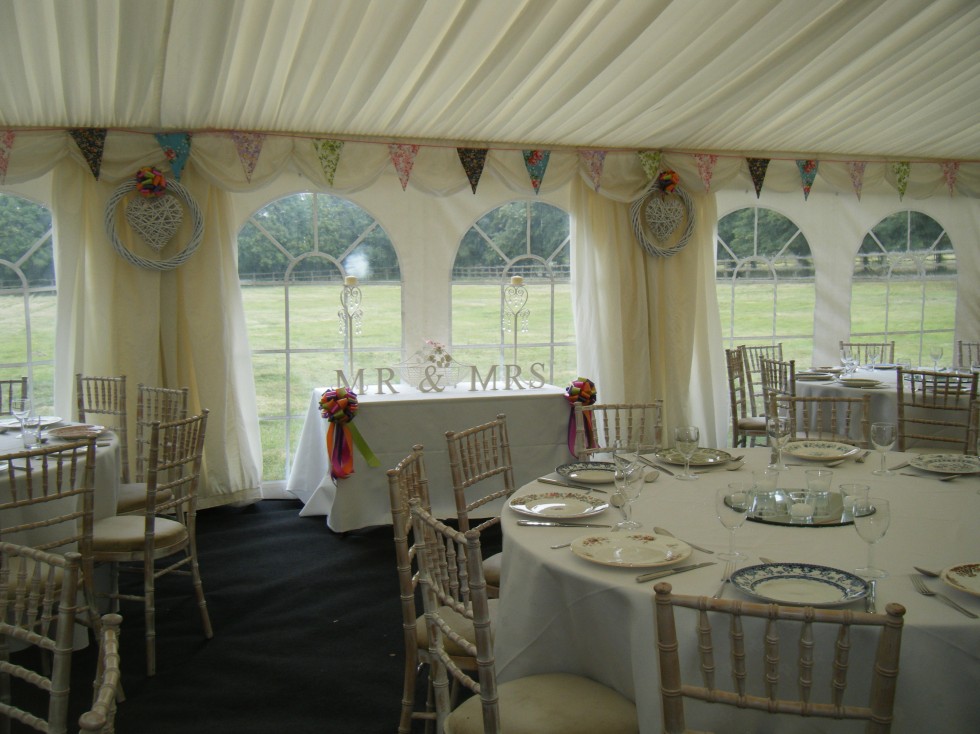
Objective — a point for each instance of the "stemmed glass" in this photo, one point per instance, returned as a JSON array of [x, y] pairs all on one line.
[[935, 354], [629, 482], [848, 360], [732, 505], [778, 430], [686, 442], [20, 408], [874, 355], [871, 518], [883, 438]]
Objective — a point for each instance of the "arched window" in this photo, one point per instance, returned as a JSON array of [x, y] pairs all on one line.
[[765, 281], [28, 297], [293, 257], [494, 325], [904, 287]]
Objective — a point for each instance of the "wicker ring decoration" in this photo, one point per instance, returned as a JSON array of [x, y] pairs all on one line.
[[657, 215], [197, 233]]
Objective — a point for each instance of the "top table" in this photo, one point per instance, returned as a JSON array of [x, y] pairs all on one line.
[[537, 425], [561, 613]]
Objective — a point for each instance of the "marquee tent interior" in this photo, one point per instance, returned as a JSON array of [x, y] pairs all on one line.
[[883, 94]]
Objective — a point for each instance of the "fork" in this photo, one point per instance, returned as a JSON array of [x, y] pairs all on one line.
[[725, 578], [921, 587]]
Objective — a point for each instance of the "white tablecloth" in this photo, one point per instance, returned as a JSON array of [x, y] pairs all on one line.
[[537, 424], [559, 612]]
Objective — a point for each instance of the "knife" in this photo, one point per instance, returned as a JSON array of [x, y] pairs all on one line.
[[671, 571], [560, 483], [655, 465], [550, 524], [898, 466]]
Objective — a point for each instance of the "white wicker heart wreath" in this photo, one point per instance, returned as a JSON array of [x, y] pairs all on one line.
[[657, 215], [197, 233]]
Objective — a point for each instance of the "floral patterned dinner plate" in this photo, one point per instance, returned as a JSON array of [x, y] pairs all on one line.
[[946, 463], [820, 450], [80, 430], [589, 472], [558, 504], [630, 550], [701, 457], [965, 577], [800, 583]]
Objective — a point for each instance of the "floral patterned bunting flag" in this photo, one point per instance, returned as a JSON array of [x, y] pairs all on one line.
[[808, 172], [473, 160], [650, 160], [706, 168], [950, 171], [177, 149], [856, 171], [249, 147], [328, 153], [91, 141], [403, 156], [6, 145], [757, 170], [536, 163], [901, 171], [594, 161]]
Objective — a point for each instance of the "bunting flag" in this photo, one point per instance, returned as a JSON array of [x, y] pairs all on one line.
[[706, 168], [757, 170], [6, 145], [177, 149], [536, 163], [249, 147], [91, 141], [901, 171], [328, 153], [650, 161], [473, 160], [856, 171], [594, 161], [950, 170], [403, 157], [808, 172]]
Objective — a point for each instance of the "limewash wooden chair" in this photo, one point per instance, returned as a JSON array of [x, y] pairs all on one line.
[[106, 396], [745, 426], [11, 390], [599, 426], [935, 409], [753, 372]]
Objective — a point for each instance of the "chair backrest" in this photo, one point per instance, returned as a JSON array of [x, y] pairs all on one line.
[[861, 350], [778, 378], [174, 464], [936, 409], [738, 397], [968, 354], [753, 371], [846, 420], [11, 390], [37, 609], [600, 425], [155, 404], [829, 629], [106, 396], [480, 456], [451, 580]]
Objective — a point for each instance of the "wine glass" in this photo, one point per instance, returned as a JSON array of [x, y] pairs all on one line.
[[778, 430], [935, 354], [871, 518], [732, 505], [874, 354], [629, 481], [883, 438], [20, 408], [686, 442]]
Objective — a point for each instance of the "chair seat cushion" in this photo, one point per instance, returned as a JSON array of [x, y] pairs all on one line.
[[491, 569], [124, 533], [554, 702], [458, 623], [132, 497]]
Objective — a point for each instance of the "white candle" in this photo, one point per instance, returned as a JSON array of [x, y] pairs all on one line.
[[350, 280], [516, 280]]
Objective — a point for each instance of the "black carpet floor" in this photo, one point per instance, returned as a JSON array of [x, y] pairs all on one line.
[[307, 633]]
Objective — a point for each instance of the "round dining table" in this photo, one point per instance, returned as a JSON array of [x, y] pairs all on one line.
[[561, 611]]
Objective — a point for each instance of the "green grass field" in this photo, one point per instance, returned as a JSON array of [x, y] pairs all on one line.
[[317, 347]]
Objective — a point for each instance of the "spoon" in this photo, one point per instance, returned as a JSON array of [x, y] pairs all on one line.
[[671, 535], [651, 475]]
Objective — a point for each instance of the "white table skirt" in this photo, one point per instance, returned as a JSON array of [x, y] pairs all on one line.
[[537, 425], [559, 612]]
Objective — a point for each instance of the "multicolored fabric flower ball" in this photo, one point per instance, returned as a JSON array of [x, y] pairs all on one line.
[[668, 181], [150, 182], [581, 390], [338, 405]]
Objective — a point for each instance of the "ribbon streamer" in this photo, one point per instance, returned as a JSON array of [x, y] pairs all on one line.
[[339, 406]]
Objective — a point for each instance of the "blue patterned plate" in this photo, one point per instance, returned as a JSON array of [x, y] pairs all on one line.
[[803, 584], [946, 463]]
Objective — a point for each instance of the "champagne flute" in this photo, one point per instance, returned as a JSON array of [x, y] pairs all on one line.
[[874, 354], [732, 505], [935, 354], [871, 518], [20, 408], [686, 442], [778, 430], [883, 437], [629, 482]]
